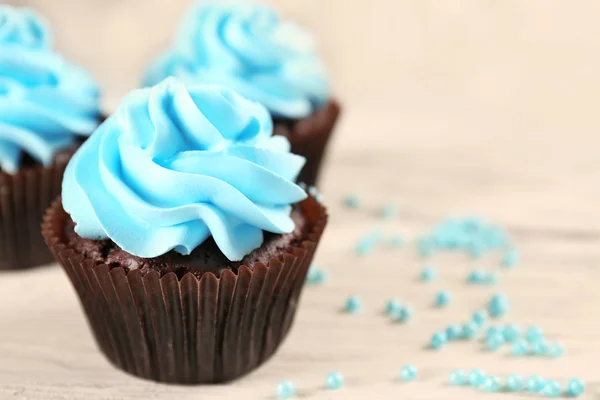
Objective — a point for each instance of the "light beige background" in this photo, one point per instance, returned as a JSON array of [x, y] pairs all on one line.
[[486, 107]]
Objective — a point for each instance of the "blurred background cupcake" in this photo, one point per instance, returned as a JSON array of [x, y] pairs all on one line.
[[246, 46], [47, 107]]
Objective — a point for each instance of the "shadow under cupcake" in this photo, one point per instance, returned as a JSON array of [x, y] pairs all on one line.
[[184, 234]]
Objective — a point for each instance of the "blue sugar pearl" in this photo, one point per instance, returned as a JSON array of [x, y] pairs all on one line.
[[551, 389], [302, 185], [404, 314], [510, 258], [493, 331], [520, 348], [334, 380], [426, 247], [353, 304], [555, 350], [575, 387], [396, 241], [535, 384], [428, 274], [498, 305], [491, 278], [438, 340], [458, 377], [285, 389], [476, 249], [312, 190], [408, 373], [443, 298], [534, 333], [512, 332], [476, 377], [454, 332], [316, 276], [388, 211], [352, 201], [476, 276], [368, 242], [514, 383], [492, 384], [494, 342], [480, 317], [393, 306], [539, 347], [469, 330]]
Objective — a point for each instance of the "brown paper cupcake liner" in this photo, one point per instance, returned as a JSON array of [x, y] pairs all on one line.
[[309, 138], [193, 330], [24, 197]]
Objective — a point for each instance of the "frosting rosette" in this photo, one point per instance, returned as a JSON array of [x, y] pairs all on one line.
[[178, 164], [247, 47], [45, 102]]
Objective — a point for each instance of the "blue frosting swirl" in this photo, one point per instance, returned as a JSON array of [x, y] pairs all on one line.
[[45, 102], [247, 47], [177, 164]]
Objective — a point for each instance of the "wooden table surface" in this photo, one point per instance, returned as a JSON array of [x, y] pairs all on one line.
[[540, 184]]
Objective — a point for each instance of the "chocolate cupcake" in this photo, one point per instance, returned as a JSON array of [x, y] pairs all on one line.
[[46, 106], [184, 234], [245, 46]]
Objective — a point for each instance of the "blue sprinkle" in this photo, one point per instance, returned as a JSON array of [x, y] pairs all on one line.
[[388, 211], [319, 197], [367, 242], [476, 277], [428, 274], [393, 306], [458, 377], [491, 278], [556, 350], [535, 384], [539, 347], [492, 331], [551, 389], [520, 348], [404, 314], [426, 247], [285, 389], [302, 185], [312, 190], [469, 330], [492, 384], [512, 332], [514, 382], [438, 340], [575, 387], [476, 377], [353, 304], [480, 317], [494, 342], [510, 258], [316, 276], [498, 305], [352, 201], [476, 249], [334, 380], [443, 298], [408, 373], [396, 241], [534, 333], [454, 332]]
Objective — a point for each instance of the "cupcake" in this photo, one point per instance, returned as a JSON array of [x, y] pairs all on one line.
[[245, 46], [47, 106], [184, 234]]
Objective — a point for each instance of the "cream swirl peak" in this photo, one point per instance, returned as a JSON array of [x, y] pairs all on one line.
[[45, 102], [247, 47], [176, 165]]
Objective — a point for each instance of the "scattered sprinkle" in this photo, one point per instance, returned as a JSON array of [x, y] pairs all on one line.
[[512, 332], [396, 241], [498, 305], [302, 185], [495, 341], [514, 382], [535, 384], [575, 387], [458, 377], [443, 298], [476, 377], [520, 348], [476, 276], [492, 331], [388, 211], [334, 380], [353, 304], [480, 317], [428, 274], [426, 247], [367, 242], [454, 332], [492, 384], [316, 276], [534, 333], [438, 340], [312, 190], [393, 306], [285, 389], [408, 373], [539, 347], [352, 201], [469, 330], [556, 350], [551, 389], [404, 314], [510, 258]]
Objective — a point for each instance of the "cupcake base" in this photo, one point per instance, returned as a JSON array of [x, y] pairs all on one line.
[[197, 329], [309, 138]]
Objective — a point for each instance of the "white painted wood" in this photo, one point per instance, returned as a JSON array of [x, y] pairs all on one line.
[[543, 187]]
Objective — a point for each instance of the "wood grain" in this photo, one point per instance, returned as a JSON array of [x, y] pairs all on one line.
[[543, 188]]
